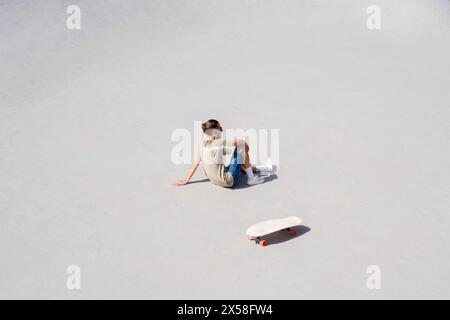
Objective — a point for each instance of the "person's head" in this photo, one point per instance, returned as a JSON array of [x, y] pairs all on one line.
[[212, 128]]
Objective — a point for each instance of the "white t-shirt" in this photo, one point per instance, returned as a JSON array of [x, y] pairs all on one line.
[[216, 154]]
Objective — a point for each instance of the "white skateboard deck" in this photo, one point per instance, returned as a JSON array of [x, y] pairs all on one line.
[[256, 231]]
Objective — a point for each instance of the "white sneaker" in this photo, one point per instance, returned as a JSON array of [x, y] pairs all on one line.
[[254, 181], [266, 167]]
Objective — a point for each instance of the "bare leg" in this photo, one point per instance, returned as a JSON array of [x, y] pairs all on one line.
[[243, 148], [247, 163]]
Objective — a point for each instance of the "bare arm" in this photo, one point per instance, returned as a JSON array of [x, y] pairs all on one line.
[[191, 172]]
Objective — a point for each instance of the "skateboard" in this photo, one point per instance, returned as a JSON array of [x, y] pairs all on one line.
[[260, 229]]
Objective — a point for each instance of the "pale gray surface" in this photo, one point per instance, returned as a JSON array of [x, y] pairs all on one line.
[[85, 171]]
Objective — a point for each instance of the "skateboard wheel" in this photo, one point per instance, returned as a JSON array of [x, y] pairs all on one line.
[[263, 243], [250, 238], [293, 232]]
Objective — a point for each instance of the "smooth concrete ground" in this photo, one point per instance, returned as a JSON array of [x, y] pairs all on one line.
[[86, 119]]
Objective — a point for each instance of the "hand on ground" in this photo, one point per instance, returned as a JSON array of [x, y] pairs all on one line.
[[181, 182]]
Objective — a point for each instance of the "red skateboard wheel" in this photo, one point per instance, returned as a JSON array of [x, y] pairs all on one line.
[[293, 232], [250, 238], [263, 243]]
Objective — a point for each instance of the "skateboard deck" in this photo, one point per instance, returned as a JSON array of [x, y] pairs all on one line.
[[260, 229]]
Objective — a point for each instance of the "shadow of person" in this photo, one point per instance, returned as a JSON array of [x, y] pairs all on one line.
[[283, 236]]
